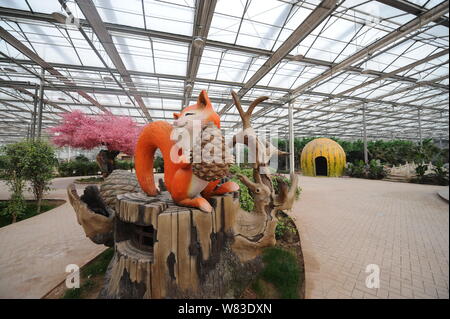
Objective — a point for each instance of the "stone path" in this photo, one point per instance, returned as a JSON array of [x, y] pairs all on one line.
[[346, 224], [35, 252]]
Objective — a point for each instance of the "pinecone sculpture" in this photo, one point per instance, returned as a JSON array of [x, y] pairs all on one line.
[[118, 182], [213, 159]]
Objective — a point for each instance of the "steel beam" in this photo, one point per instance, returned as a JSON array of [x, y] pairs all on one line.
[[384, 76], [8, 37], [316, 17], [123, 29], [431, 15], [409, 7], [389, 38], [378, 99], [204, 11], [149, 94], [93, 18]]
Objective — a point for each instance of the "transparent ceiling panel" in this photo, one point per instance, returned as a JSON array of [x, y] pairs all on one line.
[[169, 16], [121, 12]]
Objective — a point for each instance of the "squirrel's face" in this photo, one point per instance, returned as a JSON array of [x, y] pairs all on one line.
[[187, 117], [201, 112]]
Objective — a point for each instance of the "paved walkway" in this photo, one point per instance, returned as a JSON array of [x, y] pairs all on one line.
[[35, 252], [346, 224]]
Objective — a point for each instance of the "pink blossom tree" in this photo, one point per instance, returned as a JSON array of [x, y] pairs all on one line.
[[116, 133]]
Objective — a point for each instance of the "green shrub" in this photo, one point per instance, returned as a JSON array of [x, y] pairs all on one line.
[[356, 169], [283, 227], [158, 164], [81, 166], [29, 160], [15, 179], [440, 173], [275, 182], [376, 170], [125, 165], [245, 199], [38, 168], [421, 170]]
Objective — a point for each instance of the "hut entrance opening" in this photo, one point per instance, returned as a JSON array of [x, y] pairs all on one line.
[[321, 166]]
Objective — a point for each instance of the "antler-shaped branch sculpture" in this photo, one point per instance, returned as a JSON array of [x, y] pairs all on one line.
[[263, 150], [256, 230], [262, 188]]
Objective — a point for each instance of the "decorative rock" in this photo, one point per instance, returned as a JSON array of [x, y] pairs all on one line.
[[118, 182]]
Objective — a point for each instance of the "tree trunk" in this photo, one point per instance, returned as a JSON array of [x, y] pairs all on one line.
[[106, 160], [38, 204]]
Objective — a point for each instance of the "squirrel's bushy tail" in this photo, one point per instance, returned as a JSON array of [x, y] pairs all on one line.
[[153, 136]]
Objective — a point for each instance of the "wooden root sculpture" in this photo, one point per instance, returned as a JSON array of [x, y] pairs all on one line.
[[95, 209], [256, 230]]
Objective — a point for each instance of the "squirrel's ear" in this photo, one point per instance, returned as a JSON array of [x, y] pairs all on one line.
[[176, 115], [203, 100]]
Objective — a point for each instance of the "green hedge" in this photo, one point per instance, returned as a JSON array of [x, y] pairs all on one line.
[[393, 152], [374, 170], [78, 167], [245, 198]]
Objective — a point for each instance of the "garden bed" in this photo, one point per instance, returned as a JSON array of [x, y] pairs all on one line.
[[91, 279], [283, 276], [47, 204], [90, 180]]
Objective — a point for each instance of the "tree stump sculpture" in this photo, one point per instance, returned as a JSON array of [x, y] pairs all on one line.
[[166, 251]]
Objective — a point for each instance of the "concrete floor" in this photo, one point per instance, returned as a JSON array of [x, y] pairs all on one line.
[[346, 224], [34, 253]]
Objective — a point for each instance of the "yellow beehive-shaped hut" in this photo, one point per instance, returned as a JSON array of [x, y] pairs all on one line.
[[323, 157]]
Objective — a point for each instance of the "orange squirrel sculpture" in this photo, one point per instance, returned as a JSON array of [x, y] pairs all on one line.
[[185, 188]]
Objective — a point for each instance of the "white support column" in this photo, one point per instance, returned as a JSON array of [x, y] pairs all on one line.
[[41, 104], [33, 116], [291, 138], [420, 126], [366, 155]]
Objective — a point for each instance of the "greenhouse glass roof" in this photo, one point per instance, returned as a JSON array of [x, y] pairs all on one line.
[[330, 60]]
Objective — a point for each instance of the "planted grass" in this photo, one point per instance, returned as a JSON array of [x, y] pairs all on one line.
[[30, 211], [281, 269], [91, 276]]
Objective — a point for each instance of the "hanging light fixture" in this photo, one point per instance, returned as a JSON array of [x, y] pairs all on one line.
[[298, 57], [198, 42], [59, 17]]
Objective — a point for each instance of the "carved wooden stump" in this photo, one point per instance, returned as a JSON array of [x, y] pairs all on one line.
[[168, 251]]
